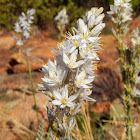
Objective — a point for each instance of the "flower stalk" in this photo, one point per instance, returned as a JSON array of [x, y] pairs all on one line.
[[24, 28], [31, 82], [121, 13]]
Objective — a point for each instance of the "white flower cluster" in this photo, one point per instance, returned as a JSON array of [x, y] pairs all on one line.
[[121, 13], [62, 19], [69, 79], [24, 26], [135, 40]]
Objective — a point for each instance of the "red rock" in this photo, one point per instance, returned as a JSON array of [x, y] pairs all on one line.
[[22, 117], [101, 107]]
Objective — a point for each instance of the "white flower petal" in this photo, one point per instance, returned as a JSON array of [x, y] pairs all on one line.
[[73, 56], [88, 14], [62, 106], [98, 28], [57, 95], [56, 102], [73, 97], [70, 104], [89, 99], [99, 19], [91, 21]]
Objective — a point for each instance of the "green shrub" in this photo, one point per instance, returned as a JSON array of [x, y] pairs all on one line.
[[46, 10]]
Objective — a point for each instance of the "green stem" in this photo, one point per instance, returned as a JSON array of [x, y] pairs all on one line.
[[128, 121], [129, 133], [61, 35], [31, 81], [61, 29], [129, 130]]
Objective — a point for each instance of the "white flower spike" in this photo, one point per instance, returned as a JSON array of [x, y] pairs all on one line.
[[70, 78]]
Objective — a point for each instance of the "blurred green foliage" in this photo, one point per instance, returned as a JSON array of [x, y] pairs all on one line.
[[46, 10], [135, 2]]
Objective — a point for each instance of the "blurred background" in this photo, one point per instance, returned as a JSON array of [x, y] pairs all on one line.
[[17, 112]]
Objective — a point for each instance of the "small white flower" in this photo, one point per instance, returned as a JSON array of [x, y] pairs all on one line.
[[67, 46], [25, 25], [23, 14], [82, 27], [61, 98], [71, 61], [26, 34], [84, 93], [62, 15], [88, 67], [82, 80], [67, 126], [17, 28], [136, 92], [31, 12], [88, 52], [22, 18], [19, 42], [62, 19], [54, 74], [135, 37], [76, 109], [86, 36], [30, 20]]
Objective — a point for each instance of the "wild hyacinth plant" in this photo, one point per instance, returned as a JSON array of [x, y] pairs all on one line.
[[69, 78], [135, 61], [135, 41], [121, 13], [23, 27], [62, 21]]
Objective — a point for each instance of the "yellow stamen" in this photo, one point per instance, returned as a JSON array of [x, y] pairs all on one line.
[[81, 94], [56, 138], [53, 75], [96, 67], [78, 83], [71, 64], [76, 43], [72, 109], [54, 97], [46, 64], [85, 35], [64, 101]]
